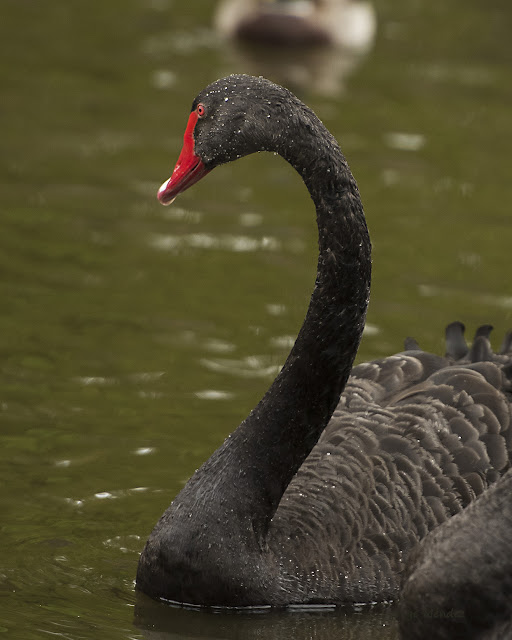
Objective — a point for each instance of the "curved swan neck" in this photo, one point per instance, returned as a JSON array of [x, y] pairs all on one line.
[[290, 418], [267, 449]]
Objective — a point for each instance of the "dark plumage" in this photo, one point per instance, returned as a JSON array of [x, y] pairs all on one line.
[[316, 498], [459, 582]]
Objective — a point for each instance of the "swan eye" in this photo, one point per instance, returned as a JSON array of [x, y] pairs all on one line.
[[201, 110]]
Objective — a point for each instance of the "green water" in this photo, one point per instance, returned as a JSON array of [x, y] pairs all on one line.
[[134, 337]]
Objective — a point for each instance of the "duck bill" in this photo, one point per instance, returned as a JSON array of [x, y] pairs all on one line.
[[188, 170]]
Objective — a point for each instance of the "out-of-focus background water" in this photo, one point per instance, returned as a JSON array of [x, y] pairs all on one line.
[[134, 338]]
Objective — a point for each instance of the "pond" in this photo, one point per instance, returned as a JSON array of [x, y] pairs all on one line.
[[134, 338]]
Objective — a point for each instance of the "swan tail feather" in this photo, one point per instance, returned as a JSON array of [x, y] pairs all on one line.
[[456, 346]]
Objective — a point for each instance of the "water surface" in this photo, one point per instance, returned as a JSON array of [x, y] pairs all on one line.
[[134, 338]]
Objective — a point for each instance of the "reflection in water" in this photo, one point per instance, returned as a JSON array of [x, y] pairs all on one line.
[[164, 622], [311, 43], [349, 24]]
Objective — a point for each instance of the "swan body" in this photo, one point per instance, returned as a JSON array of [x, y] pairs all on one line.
[[317, 498], [459, 582], [343, 23]]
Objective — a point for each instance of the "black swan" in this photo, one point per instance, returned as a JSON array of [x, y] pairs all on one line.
[[350, 24], [318, 499]]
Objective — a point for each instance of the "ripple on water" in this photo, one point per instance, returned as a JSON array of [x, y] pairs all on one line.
[[225, 242], [144, 451], [248, 367], [163, 79], [275, 309], [219, 346], [213, 394], [433, 291], [104, 495], [371, 329], [249, 219], [282, 342], [405, 141], [136, 378], [179, 213], [126, 544]]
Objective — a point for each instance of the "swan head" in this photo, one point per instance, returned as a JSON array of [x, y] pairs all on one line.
[[231, 118]]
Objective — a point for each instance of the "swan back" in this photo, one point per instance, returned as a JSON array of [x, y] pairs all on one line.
[[415, 438]]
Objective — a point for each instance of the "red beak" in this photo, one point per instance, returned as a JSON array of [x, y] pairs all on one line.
[[188, 170]]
